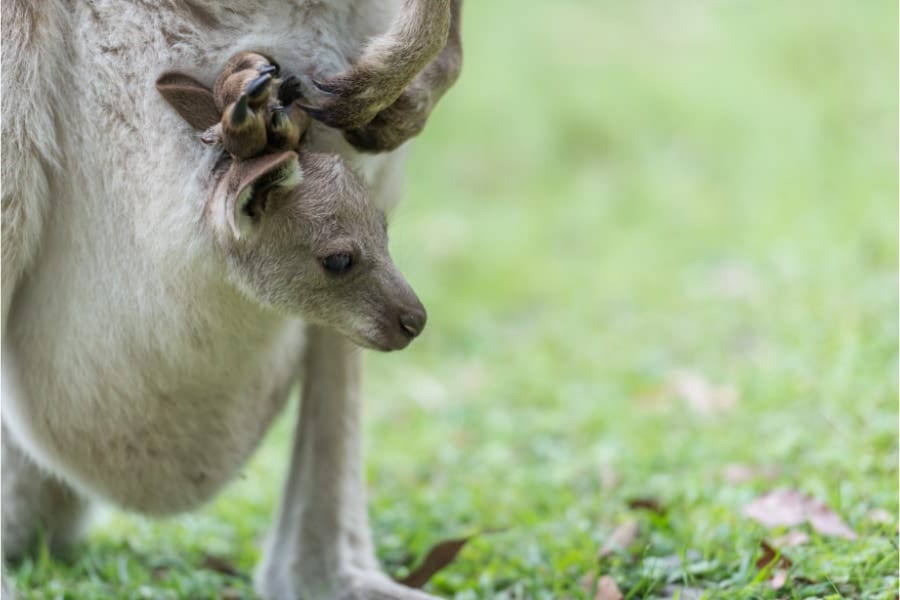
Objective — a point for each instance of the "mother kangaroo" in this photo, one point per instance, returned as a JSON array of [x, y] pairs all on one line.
[[136, 369]]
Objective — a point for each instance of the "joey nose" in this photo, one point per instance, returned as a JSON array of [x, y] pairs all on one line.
[[413, 322]]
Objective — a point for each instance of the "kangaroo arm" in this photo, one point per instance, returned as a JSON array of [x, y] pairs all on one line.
[[406, 117], [388, 64]]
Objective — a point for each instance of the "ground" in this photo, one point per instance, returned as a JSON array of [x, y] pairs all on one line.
[[658, 245]]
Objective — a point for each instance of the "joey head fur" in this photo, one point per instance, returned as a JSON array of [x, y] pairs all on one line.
[[299, 237]]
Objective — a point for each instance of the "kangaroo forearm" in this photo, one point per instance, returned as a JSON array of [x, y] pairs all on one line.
[[417, 36], [388, 65], [441, 73]]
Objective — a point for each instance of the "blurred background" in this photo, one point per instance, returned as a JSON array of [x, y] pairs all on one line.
[[658, 246]]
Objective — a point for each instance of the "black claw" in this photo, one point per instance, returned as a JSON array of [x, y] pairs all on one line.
[[319, 114], [258, 86], [314, 112], [240, 112], [289, 91], [329, 87]]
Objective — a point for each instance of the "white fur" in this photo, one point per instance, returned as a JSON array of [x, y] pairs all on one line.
[[142, 378]]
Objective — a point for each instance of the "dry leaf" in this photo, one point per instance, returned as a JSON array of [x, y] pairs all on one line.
[[794, 537], [779, 507], [790, 508], [827, 522], [623, 536], [779, 578], [220, 565], [771, 558], [700, 395], [440, 555], [651, 504], [607, 589]]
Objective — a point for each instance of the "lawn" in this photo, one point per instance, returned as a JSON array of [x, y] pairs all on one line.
[[658, 246]]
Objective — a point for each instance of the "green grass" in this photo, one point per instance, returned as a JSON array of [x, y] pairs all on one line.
[[613, 192]]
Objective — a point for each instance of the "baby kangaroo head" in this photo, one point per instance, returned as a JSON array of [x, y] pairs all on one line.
[[300, 236]]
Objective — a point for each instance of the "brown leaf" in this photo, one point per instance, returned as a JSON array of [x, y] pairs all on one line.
[[607, 589], [790, 508], [440, 555], [651, 504], [779, 507], [771, 557], [220, 565], [700, 395], [623, 536], [827, 522]]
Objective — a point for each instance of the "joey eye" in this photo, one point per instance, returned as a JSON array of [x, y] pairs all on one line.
[[337, 263]]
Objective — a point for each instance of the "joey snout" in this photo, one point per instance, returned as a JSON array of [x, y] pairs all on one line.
[[397, 315], [413, 321], [407, 321]]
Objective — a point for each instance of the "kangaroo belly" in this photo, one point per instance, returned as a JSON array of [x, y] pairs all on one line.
[[151, 433]]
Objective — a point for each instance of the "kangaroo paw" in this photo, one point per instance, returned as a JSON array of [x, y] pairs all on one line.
[[243, 131], [402, 120], [240, 70], [287, 126]]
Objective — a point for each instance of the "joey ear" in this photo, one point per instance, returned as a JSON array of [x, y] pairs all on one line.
[[240, 186], [190, 99]]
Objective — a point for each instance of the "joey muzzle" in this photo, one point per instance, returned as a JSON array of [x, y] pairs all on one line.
[[413, 322], [402, 317], [406, 323], [409, 316]]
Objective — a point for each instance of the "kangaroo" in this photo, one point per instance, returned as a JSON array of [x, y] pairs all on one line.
[[160, 298]]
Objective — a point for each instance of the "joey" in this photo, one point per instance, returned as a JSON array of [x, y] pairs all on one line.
[[297, 231]]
